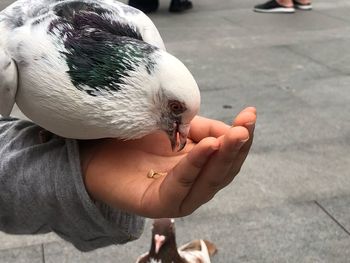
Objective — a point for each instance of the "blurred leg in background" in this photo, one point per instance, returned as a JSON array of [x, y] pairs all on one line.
[[149, 6]]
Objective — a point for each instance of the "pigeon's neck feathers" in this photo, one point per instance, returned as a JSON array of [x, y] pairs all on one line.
[[168, 252]]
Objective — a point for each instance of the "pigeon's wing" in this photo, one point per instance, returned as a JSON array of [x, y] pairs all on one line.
[[212, 249], [8, 83], [143, 23], [195, 251]]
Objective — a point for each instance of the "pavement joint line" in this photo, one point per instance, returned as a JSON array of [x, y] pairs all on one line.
[[43, 253], [333, 16], [239, 40], [327, 6], [332, 217], [232, 22], [236, 23]]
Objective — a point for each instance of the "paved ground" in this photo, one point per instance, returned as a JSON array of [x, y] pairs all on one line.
[[291, 201]]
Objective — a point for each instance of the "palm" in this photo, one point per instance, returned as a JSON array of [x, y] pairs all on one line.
[[118, 171], [136, 191]]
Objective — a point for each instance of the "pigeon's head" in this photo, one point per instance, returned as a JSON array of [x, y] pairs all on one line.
[[177, 99], [163, 235]]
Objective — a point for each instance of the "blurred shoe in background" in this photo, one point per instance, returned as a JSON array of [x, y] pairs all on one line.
[[283, 6], [273, 6], [302, 6], [177, 6]]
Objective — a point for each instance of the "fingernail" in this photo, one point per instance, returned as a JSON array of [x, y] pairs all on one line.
[[216, 146], [250, 126], [239, 144]]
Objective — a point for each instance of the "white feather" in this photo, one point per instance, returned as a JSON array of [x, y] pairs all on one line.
[[193, 256]]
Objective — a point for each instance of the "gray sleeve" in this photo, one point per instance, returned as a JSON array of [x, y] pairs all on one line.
[[42, 190]]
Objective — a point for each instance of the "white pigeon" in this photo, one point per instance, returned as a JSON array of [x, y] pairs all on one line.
[[89, 69]]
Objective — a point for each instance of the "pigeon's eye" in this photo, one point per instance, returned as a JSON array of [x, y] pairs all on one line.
[[176, 107]]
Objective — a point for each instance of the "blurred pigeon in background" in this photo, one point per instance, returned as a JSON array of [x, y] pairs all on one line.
[[164, 249]]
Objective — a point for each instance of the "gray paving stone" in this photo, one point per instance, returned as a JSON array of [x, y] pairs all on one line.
[[334, 54], [250, 68], [32, 254], [329, 98], [5, 3], [337, 11], [334, 5], [294, 232], [284, 119], [269, 179], [15, 241], [65, 253], [299, 21], [199, 28]]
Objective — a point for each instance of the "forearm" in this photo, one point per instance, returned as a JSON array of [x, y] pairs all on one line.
[[42, 190]]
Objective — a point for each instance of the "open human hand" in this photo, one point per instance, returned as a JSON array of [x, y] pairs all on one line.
[[116, 172]]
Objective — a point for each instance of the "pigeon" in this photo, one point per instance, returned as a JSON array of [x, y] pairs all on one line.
[[90, 69], [164, 250]]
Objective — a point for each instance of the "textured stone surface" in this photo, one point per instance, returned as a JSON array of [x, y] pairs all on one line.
[[15, 241], [32, 254], [291, 232]]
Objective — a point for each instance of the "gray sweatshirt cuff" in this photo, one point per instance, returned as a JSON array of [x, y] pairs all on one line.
[[42, 190], [95, 224]]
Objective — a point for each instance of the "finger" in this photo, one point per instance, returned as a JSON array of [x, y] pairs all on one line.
[[179, 181], [250, 109], [202, 127], [247, 120], [245, 117], [215, 172], [240, 159]]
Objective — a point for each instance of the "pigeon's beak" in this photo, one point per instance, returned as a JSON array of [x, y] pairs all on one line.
[[183, 131], [178, 136], [159, 241], [176, 130]]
